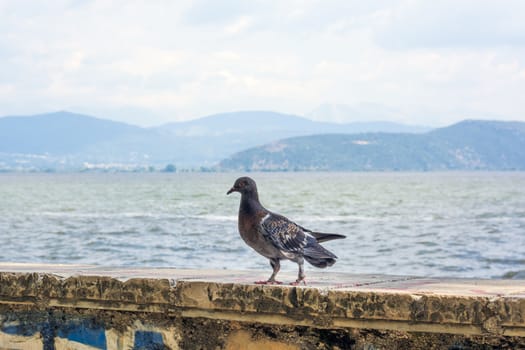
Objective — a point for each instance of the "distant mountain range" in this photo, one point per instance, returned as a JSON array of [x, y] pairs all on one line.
[[255, 140], [360, 111], [468, 145], [69, 141]]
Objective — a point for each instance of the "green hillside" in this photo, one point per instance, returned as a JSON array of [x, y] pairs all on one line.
[[468, 145]]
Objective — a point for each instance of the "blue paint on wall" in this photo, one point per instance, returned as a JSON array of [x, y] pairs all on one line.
[[84, 333], [87, 331], [145, 340], [26, 328], [22, 329]]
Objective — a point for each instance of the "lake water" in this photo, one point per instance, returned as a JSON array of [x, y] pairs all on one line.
[[432, 224]]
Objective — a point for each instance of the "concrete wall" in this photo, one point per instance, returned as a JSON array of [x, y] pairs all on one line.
[[85, 307]]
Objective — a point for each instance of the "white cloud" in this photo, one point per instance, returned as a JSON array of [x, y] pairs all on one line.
[[435, 62], [6, 90], [450, 23], [147, 61], [239, 25]]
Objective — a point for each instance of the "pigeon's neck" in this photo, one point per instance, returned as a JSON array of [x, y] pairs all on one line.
[[250, 203]]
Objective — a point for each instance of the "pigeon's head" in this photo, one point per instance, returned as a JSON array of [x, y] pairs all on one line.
[[244, 185]]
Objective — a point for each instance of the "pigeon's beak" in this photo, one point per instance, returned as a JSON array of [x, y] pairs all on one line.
[[233, 189]]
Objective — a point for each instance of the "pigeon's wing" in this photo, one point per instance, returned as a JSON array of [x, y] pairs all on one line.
[[285, 234]]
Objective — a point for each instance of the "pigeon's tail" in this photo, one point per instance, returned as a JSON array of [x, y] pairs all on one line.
[[319, 256], [323, 237], [321, 263]]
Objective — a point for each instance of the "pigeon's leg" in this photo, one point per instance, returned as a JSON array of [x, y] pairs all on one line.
[[276, 265], [301, 275]]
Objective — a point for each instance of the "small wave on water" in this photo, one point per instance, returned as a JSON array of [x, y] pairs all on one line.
[[221, 218], [100, 215]]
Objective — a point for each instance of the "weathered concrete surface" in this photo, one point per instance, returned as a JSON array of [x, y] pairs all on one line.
[[54, 306]]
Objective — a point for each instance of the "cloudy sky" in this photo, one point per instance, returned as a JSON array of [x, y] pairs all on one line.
[[150, 62]]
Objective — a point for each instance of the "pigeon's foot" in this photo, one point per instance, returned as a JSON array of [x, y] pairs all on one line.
[[298, 282], [268, 282]]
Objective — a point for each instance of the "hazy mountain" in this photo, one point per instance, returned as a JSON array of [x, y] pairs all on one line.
[[365, 111], [214, 137], [468, 145], [263, 122], [58, 133], [67, 140], [217, 136]]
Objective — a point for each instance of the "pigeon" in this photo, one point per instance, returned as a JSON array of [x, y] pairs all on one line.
[[278, 238]]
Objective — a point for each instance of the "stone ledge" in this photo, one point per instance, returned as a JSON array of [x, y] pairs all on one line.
[[330, 300]]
